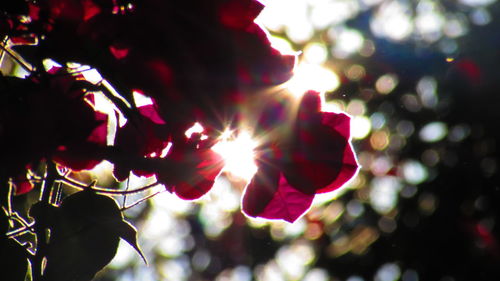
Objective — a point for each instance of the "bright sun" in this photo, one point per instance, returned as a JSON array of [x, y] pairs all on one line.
[[238, 154], [312, 77]]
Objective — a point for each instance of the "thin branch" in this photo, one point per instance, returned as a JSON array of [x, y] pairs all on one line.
[[19, 219], [125, 197], [16, 58], [118, 100], [21, 231], [78, 185], [141, 200], [40, 228], [124, 192], [6, 195]]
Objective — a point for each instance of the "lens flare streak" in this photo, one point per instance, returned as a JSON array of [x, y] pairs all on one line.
[[238, 154]]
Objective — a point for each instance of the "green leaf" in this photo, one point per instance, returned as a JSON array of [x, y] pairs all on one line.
[[85, 237], [128, 233]]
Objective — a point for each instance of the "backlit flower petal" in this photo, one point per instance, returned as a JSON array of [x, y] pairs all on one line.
[[277, 200]]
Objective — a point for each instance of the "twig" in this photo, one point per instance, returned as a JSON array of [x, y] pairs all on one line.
[[16, 58], [76, 184], [141, 200], [124, 192], [19, 219], [21, 231], [40, 226]]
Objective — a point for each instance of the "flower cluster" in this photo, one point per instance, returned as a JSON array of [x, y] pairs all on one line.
[[313, 155], [198, 62]]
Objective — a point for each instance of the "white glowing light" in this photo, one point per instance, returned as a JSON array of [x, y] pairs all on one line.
[[196, 128], [317, 274], [414, 172], [238, 154], [426, 89], [300, 32], [312, 77], [388, 272], [348, 42], [477, 3], [430, 25], [384, 193], [282, 45], [360, 127], [92, 75], [456, 26], [480, 16], [325, 13], [392, 20], [315, 53], [48, 64], [102, 104], [433, 132], [140, 99], [386, 83], [333, 106], [293, 260]]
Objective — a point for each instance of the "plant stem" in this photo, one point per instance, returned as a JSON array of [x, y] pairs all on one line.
[[41, 218], [16, 58], [5, 195], [108, 191], [141, 200]]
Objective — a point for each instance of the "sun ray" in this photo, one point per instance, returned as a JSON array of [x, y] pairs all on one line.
[[238, 152]]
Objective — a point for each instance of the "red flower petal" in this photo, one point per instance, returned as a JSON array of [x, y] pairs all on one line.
[[100, 133], [322, 159], [239, 14], [350, 166], [269, 196], [340, 122], [151, 113], [83, 154], [142, 137], [73, 10], [261, 189], [90, 9], [118, 53], [22, 184], [348, 169], [202, 168], [257, 62]]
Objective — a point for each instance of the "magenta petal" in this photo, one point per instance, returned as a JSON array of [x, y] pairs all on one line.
[[310, 103], [100, 133], [192, 192], [260, 191], [339, 122], [151, 113], [316, 160], [348, 169], [285, 203], [238, 14], [321, 158], [142, 137], [22, 184], [83, 155], [208, 167], [23, 187]]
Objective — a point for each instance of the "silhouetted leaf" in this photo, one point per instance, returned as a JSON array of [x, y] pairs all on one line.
[[128, 233], [85, 237]]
